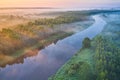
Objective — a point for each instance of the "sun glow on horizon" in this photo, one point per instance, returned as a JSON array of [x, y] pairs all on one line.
[[58, 3]]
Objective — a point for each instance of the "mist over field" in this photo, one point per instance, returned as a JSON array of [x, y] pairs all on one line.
[[59, 40]]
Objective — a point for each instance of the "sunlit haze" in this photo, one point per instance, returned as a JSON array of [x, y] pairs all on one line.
[[60, 3]]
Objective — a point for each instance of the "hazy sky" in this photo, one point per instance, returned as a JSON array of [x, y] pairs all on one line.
[[60, 3]]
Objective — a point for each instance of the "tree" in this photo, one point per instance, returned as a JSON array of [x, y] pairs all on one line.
[[86, 43]]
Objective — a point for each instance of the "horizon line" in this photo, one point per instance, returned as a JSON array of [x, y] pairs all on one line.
[[45, 7], [28, 8]]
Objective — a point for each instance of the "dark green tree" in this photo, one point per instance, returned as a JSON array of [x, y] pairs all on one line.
[[86, 43]]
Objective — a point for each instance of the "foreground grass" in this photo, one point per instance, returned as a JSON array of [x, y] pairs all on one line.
[[78, 67]]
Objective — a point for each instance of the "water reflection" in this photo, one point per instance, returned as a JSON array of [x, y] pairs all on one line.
[[50, 59]]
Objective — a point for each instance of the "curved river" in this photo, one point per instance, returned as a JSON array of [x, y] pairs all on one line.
[[50, 59]]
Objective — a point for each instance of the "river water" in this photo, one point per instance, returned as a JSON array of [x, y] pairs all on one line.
[[52, 57]]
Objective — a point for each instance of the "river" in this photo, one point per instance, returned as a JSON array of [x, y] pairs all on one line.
[[52, 57]]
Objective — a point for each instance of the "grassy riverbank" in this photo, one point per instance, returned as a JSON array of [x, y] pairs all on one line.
[[19, 55], [24, 40], [98, 59], [77, 68]]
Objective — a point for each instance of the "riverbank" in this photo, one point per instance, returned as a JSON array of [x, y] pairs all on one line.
[[18, 56], [77, 68], [98, 61], [24, 40]]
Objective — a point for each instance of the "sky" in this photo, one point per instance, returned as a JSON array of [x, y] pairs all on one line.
[[60, 3]]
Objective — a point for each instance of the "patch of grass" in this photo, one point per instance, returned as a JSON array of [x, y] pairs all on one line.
[[79, 67]]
